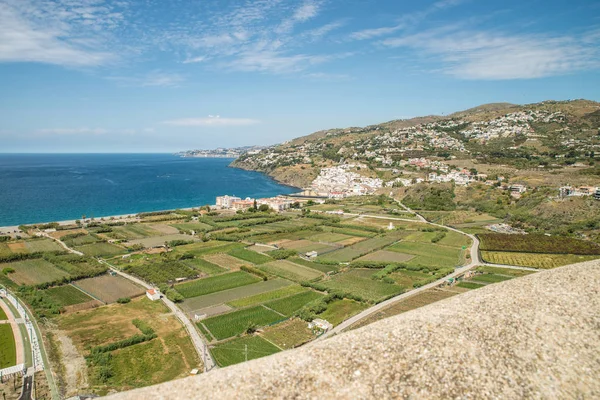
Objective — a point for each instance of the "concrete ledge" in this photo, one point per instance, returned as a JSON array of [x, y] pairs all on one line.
[[531, 337]]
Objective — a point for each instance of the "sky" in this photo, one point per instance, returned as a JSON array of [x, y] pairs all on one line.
[[96, 76]]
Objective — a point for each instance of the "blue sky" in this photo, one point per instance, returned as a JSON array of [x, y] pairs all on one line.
[[164, 76]]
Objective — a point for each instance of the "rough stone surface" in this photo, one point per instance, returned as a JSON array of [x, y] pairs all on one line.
[[532, 337]]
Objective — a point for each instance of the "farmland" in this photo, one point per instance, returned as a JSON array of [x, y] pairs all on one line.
[[359, 282], [215, 284], [203, 266], [289, 305], [289, 270], [534, 260], [8, 350], [264, 297], [100, 249], [42, 245], [225, 261], [245, 348], [341, 310], [236, 322], [429, 254], [230, 296], [34, 272], [250, 256], [537, 244], [289, 334], [109, 288], [356, 250], [388, 256], [155, 241], [67, 295]]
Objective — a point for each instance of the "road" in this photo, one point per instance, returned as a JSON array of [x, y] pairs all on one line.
[[475, 261], [62, 244], [201, 347], [27, 388]]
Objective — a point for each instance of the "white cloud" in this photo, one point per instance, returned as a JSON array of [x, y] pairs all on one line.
[[302, 14], [212, 121], [61, 32], [194, 60], [153, 78], [495, 56]]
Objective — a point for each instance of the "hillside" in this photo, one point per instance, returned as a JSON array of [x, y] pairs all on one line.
[[554, 134]]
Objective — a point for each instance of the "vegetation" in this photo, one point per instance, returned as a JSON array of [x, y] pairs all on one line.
[[215, 284], [537, 244], [290, 305], [236, 322], [8, 350], [241, 349], [250, 256]]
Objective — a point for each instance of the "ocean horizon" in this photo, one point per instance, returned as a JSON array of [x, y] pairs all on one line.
[[47, 187]]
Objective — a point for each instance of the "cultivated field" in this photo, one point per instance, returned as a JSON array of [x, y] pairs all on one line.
[[34, 272], [289, 305], [340, 310], [195, 304], [325, 268], [359, 282], [225, 261], [361, 248], [156, 241], [236, 322], [304, 246], [67, 295], [289, 270], [537, 244], [389, 256], [429, 254], [101, 249], [534, 260], [268, 296], [42, 245], [109, 288], [134, 231], [251, 256], [245, 348], [215, 284], [193, 226], [288, 334], [505, 271], [203, 266]]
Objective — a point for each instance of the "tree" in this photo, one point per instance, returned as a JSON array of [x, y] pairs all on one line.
[[263, 208]]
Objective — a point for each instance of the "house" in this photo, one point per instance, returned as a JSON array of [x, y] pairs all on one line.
[[312, 254], [320, 324], [597, 194], [225, 201], [153, 294], [517, 188], [586, 190], [565, 191], [242, 204]]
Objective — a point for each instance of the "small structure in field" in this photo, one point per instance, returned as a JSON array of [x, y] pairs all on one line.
[[153, 294], [312, 254], [320, 325], [391, 227]]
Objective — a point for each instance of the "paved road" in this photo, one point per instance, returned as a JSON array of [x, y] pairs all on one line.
[[475, 261], [201, 347], [27, 388]]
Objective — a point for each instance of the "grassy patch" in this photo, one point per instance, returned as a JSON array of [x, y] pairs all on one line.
[[289, 305], [42, 245], [429, 254], [288, 334], [215, 284], [314, 265], [289, 270], [356, 250], [268, 296], [359, 282], [101, 249], [340, 310], [505, 271], [34, 272], [469, 285], [8, 350], [225, 261], [67, 295], [235, 323], [250, 256], [490, 278], [204, 266], [245, 348]]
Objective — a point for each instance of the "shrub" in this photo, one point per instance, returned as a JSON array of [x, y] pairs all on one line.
[[174, 296], [178, 242], [282, 254], [439, 236], [255, 271], [123, 300]]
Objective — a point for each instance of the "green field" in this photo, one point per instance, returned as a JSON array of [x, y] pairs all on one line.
[[268, 296], [79, 240], [8, 350], [489, 278], [359, 282], [101, 249], [429, 254], [67, 295], [289, 305], [469, 285], [314, 265], [3, 316], [288, 334], [250, 256], [505, 271], [156, 241], [356, 250], [232, 295], [34, 272], [407, 279], [245, 348], [534, 260], [215, 284], [340, 310], [42, 245], [193, 226], [135, 231], [204, 266], [236, 322], [289, 270], [210, 247]]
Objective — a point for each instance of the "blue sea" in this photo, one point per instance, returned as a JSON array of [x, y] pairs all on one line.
[[54, 187]]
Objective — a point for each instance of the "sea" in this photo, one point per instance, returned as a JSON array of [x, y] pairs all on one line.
[[37, 188]]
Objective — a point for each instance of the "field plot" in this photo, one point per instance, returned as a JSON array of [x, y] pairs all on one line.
[[216, 284], [5, 250], [289, 270], [505, 271], [231, 295], [34, 272], [469, 285], [210, 247], [135, 231], [537, 244], [67, 295], [109, 288], [16, 247], [231, 324], [325, 268], [245, 348], [304, 246], [359, 282], [288, 334], [429, 254], [161, 240], [204, 266], [533, 260], [41, 245], [225, 261], [251, 256], [157, 270], [169, 356], [361, 248], [407, 279], [418, 300], [3, 316], [330, 237], [193, 226], [489, 278], [268, 296], [8, 350], [388, 256], [80, 240], [289, 305], [340, 310], [101, 249], [384, 223]]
